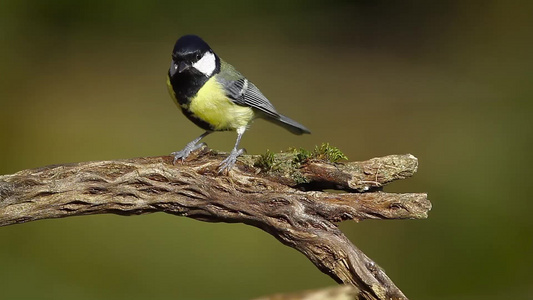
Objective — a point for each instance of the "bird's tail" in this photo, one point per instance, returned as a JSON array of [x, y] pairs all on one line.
[[289, 124]]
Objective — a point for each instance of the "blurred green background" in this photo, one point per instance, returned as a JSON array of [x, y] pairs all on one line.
[[448, 81]]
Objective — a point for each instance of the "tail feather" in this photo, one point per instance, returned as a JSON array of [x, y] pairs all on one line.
[[289, 124]]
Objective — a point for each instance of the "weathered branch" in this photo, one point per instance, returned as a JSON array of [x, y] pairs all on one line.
[[284, 201]]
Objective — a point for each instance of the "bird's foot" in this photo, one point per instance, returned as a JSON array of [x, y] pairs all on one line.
[[228, 163], [183, 154]]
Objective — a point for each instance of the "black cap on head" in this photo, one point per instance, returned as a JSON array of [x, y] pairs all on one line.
[[189, 44]]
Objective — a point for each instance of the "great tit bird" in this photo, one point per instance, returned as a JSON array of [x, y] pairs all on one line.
[[216, 97]]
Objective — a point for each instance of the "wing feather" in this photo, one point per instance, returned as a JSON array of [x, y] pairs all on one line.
[[243, 92]]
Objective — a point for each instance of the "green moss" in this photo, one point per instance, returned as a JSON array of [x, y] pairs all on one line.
[[301, 155], [287, 164], [265, 161], [329, 153], [299, 178], [323, 152]]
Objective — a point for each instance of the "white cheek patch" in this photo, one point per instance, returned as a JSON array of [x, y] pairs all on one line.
[[206, 64]]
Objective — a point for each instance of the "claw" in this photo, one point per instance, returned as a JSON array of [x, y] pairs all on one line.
[[228, 163], [194, 145], [183, 154]]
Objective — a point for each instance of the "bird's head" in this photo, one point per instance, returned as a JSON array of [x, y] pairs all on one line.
[[193, 56]]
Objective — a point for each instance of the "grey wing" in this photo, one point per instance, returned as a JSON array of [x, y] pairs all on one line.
[[245, 93]]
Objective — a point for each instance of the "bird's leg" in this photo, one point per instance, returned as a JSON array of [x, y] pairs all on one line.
[[228, 163], [189, 148]]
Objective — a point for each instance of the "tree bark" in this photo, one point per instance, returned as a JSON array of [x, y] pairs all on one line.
[[286, 201]]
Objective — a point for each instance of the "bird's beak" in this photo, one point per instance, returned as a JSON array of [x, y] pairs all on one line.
[[178, 67], [183, 66], [173, 69]]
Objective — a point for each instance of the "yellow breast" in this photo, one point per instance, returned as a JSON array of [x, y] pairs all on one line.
[[211, 105]]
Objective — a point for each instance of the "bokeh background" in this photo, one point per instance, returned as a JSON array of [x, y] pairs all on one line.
[[448, 81]]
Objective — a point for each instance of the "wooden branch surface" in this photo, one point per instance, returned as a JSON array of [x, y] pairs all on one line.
[[273, 201]]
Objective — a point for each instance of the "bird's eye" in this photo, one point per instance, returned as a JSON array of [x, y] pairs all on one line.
[[198, 56]]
